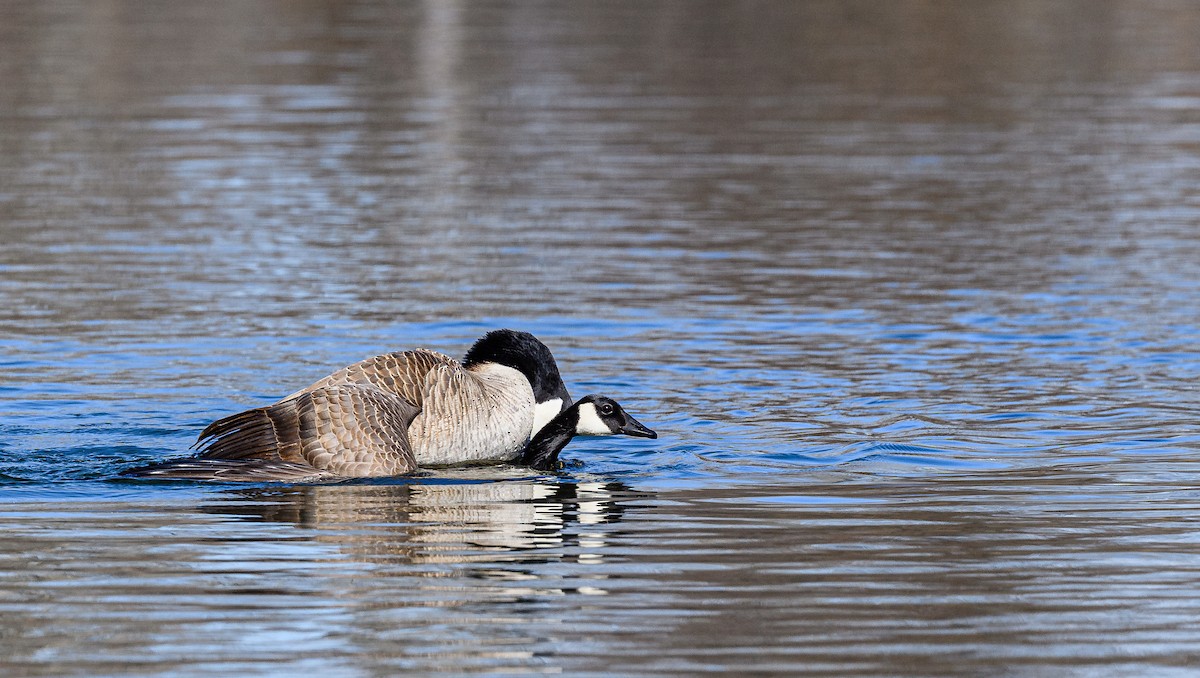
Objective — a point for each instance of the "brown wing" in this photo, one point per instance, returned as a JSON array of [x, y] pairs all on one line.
[[402, 373], [351, 430]]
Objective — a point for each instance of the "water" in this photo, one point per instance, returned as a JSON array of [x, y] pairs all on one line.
[[907, 289]]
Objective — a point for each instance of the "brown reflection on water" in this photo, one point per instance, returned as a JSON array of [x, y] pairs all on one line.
[[944, 578], [370, 577], [430, 523], [886, 576], [276, 162], [958, 575]]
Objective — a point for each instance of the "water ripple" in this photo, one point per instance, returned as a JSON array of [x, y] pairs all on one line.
[[913, 312]]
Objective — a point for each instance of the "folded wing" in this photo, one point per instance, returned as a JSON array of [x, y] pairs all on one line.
[[349, 430]]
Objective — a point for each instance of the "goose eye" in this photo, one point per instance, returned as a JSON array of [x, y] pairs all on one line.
[[606, 409]]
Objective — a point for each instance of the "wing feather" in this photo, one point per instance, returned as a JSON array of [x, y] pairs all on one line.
[[350, 430], [240, 470], [401, 373]]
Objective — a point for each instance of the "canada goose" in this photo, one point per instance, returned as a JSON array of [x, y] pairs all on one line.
[[386, 415], [593, 415]]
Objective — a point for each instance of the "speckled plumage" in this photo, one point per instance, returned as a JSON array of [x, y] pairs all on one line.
[[465, 414], [349, 430], [382, 416], [477, 414]]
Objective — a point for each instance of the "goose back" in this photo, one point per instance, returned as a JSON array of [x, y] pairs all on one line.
[[480, 413], [402, 373]]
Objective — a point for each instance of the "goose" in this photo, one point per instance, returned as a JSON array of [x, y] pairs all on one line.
[[593, 415], [387, 415]]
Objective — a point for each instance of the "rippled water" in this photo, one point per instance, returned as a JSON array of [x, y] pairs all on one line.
[[909, 291]]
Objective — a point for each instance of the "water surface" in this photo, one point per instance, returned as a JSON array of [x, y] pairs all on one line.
[[908, 290]]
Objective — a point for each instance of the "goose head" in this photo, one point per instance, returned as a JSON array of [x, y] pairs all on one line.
[[593, 415], [598, 415], [523, 352]]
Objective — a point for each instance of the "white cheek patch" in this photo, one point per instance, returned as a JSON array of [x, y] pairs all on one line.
[[590, 423], [544, 412]]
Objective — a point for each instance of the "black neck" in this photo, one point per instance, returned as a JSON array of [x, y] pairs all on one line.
[[541, 454]]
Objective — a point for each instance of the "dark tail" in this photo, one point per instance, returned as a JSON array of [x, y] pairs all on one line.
[[233, 470]]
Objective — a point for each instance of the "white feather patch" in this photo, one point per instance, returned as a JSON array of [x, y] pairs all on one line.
[[544, 412], [590, 423]]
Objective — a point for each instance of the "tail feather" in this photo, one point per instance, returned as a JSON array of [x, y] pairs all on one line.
[[269, 433], [239, 470]]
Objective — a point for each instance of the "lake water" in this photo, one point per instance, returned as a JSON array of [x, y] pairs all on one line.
[[909, 291]]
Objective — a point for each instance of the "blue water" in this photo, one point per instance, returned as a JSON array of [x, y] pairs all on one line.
[[908, 291]]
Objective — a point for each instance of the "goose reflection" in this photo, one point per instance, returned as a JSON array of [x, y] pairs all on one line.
[[447, 520]]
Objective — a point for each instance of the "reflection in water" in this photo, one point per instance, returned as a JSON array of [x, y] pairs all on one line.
[[488, 549], [457, 522], [963, 574], [382, 577]]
